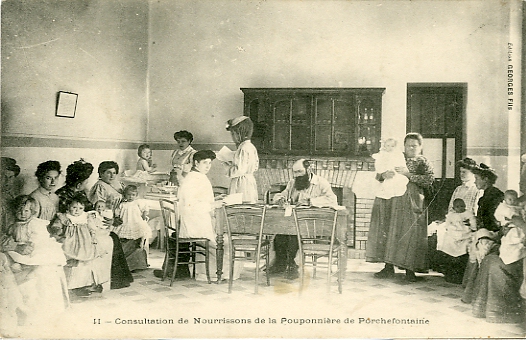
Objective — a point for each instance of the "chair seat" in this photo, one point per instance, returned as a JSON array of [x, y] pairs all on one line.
[[319, 249], [248, 244], [191, 239]]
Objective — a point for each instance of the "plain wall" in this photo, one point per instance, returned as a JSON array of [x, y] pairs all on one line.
[[97, 49], [202, 52]]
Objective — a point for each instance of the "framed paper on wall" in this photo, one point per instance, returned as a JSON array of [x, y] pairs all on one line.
[[66, 104]]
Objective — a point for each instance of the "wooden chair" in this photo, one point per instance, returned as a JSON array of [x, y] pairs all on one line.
[[173, 242], [219, 190], [274, 189], [316, 228], [245, 232]]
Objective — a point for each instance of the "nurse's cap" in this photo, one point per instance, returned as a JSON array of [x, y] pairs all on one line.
[[235, 121]]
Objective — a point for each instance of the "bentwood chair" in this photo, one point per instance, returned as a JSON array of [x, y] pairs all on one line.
[[245, 224], [274, 189], [176, 246], [316, 228], [218, 190]]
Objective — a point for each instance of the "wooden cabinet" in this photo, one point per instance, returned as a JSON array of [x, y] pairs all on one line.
[[315, 121]]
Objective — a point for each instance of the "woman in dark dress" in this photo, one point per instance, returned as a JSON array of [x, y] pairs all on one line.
[[398, 233], [485, 179], [109, 191], [77, 175]]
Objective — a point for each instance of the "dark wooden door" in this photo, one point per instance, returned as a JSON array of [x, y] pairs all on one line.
[[437, 111]]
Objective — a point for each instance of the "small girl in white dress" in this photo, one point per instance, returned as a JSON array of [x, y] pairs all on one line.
[[387, 159], [134, 214]]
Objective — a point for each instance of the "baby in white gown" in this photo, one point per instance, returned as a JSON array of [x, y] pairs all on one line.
[[387, 159]]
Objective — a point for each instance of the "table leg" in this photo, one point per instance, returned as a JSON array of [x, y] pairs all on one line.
[[219, 256]]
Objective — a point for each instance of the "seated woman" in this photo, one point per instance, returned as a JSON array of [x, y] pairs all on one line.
[[495, 291], [36, 259], [453, 264], [86, 244], [197, 209], [77, 175], [47, 201], [109, 191]]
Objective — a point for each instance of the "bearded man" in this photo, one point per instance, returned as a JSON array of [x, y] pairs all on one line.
[[306, 188]]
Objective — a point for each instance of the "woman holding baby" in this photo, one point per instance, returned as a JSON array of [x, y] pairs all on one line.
[[398, 235], [452, 260], [493, 279]]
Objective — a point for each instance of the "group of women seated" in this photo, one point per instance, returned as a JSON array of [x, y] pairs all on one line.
[[481, 245], [55, 239], [71, 242]]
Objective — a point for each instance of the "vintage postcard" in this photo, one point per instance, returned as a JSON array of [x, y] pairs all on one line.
[[395, 125]]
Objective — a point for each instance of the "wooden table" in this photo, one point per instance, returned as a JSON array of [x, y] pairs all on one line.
[[277, 223]]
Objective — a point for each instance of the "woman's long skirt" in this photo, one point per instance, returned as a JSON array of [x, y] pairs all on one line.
[[398, 232], [136, 256], [495, 294], [121, 276]]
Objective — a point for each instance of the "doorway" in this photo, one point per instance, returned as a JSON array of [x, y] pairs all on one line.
[[438, 112]]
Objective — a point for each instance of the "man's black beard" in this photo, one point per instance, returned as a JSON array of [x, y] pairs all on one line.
[[302, 182]]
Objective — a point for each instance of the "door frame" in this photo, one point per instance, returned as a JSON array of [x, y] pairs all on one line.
[[461, 151]]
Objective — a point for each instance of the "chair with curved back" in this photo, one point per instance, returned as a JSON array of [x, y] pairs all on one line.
[[274, 189], [173, 242], [316, 228], [245, 224], [219, 190]]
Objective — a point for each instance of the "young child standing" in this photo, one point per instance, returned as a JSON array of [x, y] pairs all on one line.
[[389, 158], [134, 215], [454, 237], [145, 162], [86, 244]]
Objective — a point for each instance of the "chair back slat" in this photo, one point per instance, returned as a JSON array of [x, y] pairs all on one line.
[[169, 214], [244, 219], [218, 190], [316, 223]]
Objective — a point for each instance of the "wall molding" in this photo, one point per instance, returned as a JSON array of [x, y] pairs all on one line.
[[28, 141], [489, 151], [65, 142]]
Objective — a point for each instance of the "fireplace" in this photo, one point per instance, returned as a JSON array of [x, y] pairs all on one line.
[[351, 179]]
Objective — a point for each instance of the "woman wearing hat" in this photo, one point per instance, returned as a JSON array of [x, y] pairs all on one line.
[[453, 265], [485, 178], [246, 160], [467, 191]]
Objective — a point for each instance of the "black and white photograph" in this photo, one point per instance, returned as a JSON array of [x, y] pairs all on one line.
[[263, 169]]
